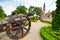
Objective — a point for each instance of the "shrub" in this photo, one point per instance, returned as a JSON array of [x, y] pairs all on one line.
[[45, 32], [26, 22], [34, 19], [56, 17]]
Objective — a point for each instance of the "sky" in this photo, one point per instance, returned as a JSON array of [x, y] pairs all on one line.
[[10, 5]]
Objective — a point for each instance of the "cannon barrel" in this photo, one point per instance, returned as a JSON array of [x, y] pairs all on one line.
[[10, 20], [16, 22]]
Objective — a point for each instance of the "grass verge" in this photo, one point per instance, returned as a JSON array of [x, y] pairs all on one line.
[[47, 22]]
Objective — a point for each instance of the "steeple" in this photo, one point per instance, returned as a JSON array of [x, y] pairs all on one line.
[[44, 6]]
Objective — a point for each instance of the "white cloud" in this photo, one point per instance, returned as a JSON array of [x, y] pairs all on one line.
[[34, 3], [9, 6], [50, 4]]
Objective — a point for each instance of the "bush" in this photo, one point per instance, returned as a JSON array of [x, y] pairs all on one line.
[[56, 17], [47, 33], [34, 19], [26, 22]]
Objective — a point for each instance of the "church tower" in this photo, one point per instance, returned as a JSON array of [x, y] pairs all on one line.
[[44, 8]]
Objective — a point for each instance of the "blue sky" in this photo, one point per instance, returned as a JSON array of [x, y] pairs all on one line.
[[10, 5]]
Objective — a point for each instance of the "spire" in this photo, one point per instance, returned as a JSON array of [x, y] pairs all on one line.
[[44, 6]]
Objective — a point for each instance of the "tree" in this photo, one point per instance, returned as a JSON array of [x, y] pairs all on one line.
[[30, 11], [53, 13], [38, 11], [2, 13], [35, 10], [20, 9], [14, 12], [56, 17]]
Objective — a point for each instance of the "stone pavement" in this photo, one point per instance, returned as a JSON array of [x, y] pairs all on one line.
[[32, 35]]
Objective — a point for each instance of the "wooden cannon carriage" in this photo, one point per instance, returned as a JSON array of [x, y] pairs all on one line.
[[15, 26]]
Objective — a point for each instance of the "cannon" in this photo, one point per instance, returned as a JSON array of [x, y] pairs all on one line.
[[15, 26]]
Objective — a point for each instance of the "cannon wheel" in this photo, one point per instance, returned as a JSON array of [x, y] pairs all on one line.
[[21, 31]]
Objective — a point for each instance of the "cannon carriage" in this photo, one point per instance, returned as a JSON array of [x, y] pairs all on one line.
[[15, 26]]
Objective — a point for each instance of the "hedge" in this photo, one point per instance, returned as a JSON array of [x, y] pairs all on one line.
[[46, 35]]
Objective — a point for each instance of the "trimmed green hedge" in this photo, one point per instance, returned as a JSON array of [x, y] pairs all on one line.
[[45, 33]]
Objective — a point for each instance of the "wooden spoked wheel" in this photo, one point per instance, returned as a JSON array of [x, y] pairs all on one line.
[[14, 34], [19, 30]]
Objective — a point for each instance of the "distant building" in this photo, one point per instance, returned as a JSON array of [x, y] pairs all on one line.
[[46, 16], [49, 14]]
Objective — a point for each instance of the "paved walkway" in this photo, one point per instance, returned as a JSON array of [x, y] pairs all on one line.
[[32, 35]]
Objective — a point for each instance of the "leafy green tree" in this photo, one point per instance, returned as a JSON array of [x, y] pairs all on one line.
[[35, 10], [38, 11], [56, 17], [2, 13], [30, 14], [31, 8], [14, 12], [30, 11], [5, 15], [20, 9], [53, 12]]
